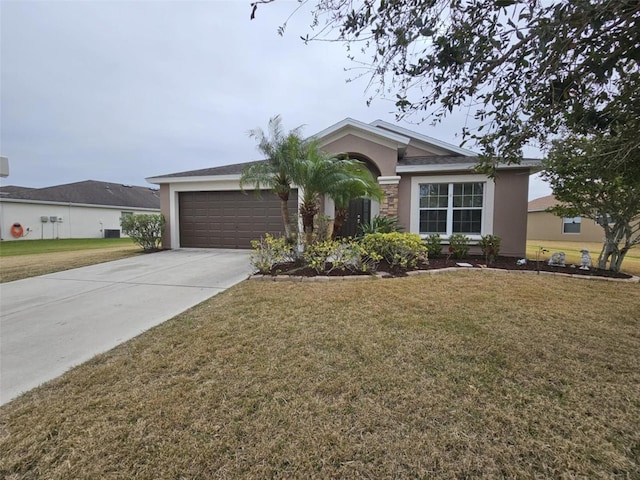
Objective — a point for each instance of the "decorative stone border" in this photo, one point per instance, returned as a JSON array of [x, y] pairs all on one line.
[[377, 276]]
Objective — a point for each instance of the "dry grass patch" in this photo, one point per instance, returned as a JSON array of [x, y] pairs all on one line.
[[630, 265], [451, 376]]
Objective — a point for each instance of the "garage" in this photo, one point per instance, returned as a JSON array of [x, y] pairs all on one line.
[[229, 219]]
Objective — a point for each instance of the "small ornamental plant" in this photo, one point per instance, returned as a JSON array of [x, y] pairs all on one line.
[[145, 229], [270, 251], [460, 245], [402, 251], [490, 246], [434, 245]]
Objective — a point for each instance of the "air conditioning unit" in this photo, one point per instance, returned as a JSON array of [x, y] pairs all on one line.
[[59, 219], [44, 219], [53, 219]]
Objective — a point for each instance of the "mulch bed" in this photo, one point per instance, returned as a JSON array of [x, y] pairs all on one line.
[[503, 263]]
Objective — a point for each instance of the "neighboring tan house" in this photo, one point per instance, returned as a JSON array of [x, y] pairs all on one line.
[[429, 185], [88, 209], [543, 225]]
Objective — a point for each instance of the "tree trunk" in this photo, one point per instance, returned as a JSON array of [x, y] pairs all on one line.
[[308, 212], [284, 211], [617, 258], [605, 253], [340, 217]]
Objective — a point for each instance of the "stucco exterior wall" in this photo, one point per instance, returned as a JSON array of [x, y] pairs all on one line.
[[385, 158], [404, 201], [510, 211], [547, 226], [165, 209], [77, 221], [415, 151]]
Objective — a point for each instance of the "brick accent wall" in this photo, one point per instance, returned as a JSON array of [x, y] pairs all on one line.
[[389, 204]]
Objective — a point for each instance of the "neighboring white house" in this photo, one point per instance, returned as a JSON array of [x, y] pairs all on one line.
[[88, 209]]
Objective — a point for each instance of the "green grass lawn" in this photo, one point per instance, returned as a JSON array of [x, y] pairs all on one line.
[[29, 258], [631, 263], [31, 247], [463, 375]]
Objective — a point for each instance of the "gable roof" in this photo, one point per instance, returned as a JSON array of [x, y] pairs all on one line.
[[423, 138], [89, 192], [542, 203], [233, 169], [451, 158], [350, 124]]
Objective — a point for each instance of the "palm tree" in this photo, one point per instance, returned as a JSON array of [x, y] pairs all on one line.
[[282, 152], [361, 184], [320, 173]]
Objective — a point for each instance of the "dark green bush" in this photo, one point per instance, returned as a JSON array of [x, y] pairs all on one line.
[[490, 245], [380, 224], [145, 229], [459, 245], [434, 245]]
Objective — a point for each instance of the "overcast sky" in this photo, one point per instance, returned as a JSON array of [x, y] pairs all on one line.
[[121, 90]]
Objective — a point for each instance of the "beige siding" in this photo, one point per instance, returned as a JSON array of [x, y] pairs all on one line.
[[547, 226]]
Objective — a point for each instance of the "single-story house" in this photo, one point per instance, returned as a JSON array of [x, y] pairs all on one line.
[[543, 225], [429, 185], [88, 209]]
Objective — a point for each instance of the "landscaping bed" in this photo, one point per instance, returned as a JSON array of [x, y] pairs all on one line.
[[476, 262]]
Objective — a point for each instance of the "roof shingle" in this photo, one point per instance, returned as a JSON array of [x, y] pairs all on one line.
[[542, 203], [89, 192]]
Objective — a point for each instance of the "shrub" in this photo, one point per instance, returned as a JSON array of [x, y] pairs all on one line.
[[271, 251], [355, 257], [331, 255], [400, 250], [145, 229], [380, 224], [459, 245], [317, 254], [490, 245], [434, 245]]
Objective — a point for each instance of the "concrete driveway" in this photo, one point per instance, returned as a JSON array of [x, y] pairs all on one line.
[[51, 323]]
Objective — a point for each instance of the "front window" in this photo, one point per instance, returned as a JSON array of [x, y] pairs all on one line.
[[448, 208], [571, 225]]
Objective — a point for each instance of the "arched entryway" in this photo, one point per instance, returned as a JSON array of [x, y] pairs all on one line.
[[360, 210]]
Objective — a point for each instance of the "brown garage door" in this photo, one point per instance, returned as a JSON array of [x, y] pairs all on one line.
[[229, 219]]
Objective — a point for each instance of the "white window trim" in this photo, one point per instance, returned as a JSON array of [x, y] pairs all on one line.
[[488, 201]]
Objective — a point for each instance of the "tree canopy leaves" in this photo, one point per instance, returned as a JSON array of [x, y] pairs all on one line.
[[529, 71], [588, 180]]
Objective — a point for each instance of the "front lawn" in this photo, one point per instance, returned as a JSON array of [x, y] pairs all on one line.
[[32, 247], [631, 263], [29, 258], [455, 375]]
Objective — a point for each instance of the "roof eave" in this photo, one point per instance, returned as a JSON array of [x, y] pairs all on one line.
[[74, 204], [424, 138], [400, 141], [531, 165], [193, 178]]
